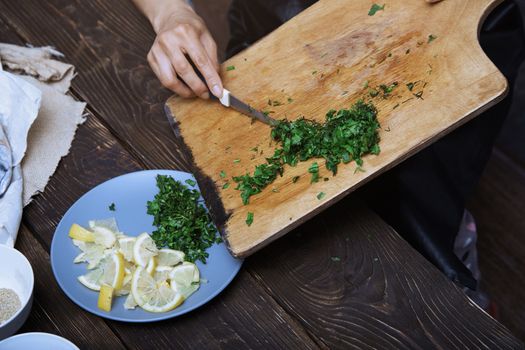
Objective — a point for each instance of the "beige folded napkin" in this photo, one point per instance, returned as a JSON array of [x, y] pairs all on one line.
[[50, 135]]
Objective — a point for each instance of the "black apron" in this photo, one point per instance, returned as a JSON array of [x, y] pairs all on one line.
[[423, 198]]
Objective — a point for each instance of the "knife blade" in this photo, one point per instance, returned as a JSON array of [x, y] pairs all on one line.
[[229, 100]]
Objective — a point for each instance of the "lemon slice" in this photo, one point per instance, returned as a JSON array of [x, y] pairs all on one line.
[[162, 273], [105, 297], [81, 234], [93, 254], [185, 274], [92, 279], [126, 285], [185, 291], [80, 258], [130, 303], [153, 296], [152, 265], [104, 236], [114, 271], [143, 249], [126, 247], [170, 257]]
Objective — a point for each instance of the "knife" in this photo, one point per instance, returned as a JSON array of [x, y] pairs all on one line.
[[230, 101]]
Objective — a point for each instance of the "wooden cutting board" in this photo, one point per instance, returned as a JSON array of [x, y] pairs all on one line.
[[321, 60]]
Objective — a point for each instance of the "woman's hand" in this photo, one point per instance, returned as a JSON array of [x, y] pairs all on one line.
[[181, 33]]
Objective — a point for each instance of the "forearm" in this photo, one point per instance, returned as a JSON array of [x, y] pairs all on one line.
[[156, 10]]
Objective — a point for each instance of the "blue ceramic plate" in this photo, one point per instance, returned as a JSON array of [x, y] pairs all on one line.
[[130, 193], [42, 341]]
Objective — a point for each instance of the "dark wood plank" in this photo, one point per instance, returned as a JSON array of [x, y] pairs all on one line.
[[498, 206], [243, 317], [53, 312], [95, 157], [107, 41], [357, 284]]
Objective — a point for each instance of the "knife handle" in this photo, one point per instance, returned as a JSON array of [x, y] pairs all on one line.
[[201, 77]]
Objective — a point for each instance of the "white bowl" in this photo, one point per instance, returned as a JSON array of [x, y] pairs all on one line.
[[16, 273], [41, 341]]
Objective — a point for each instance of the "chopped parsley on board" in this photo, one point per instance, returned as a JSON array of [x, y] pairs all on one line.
[[249, 219], [229, 68], [345, 136], [375, 8], [182, 222], [112, 207]]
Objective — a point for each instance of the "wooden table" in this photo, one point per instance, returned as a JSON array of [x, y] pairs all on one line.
[[343, 280]]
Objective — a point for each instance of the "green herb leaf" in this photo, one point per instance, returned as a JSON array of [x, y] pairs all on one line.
[[320, 195], [236, 161], [182, 222], [387, 89], [431, 38], [314, 72], [229, 68], [226, 185], [190, 182], [290, 100], [375, 8], [335, 258], [295, 179], [314, 170], [112, 207], [249, 219], [222, 174]]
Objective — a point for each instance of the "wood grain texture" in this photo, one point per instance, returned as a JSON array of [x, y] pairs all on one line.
[[53, 312], [358, 285], [95, 157], [321, 59], [107, 41], [498, 206]]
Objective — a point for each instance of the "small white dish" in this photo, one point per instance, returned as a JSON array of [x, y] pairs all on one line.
[[16, 273], [41, 341]]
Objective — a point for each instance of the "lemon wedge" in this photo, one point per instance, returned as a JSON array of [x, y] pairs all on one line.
[[81, 234], [143, 249], [92, 279], [153, 296], [114, 271], [185, 274], [152, 265], [126, 285], [105, 297], [170, 257], [126, 247]]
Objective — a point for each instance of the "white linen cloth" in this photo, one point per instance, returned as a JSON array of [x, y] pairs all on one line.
[[37, 145]]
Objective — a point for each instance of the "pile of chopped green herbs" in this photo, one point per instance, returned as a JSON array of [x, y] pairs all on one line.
[[181, 219], [346, 135]]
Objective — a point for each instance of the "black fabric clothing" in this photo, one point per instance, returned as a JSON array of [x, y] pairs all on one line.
[[424, 197]]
